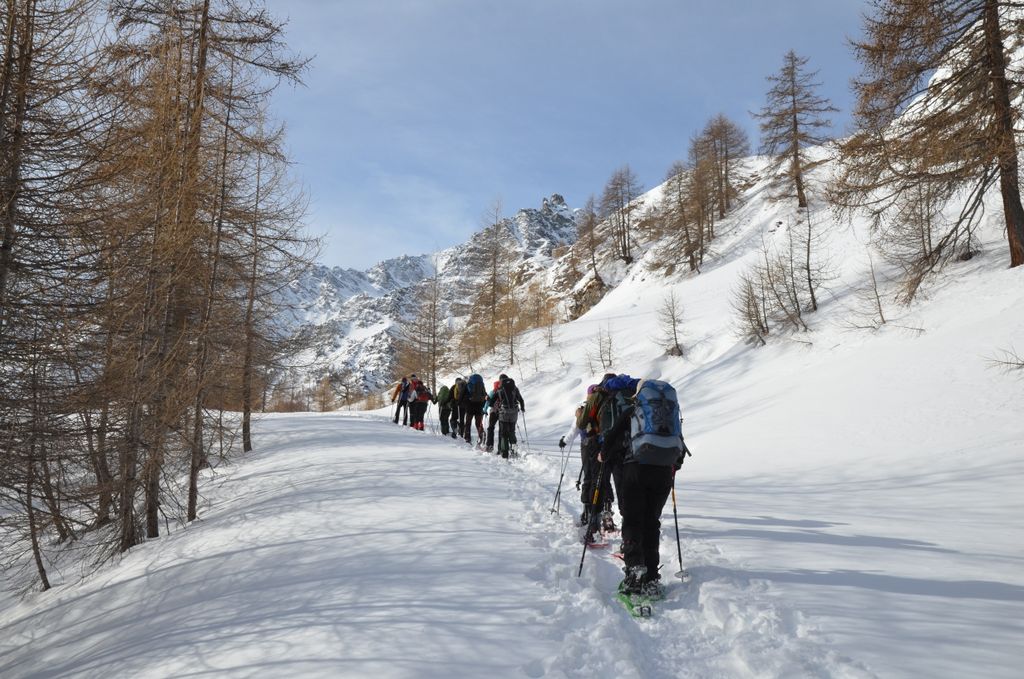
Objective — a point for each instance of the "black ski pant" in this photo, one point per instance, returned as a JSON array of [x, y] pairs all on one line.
[[403, 408], [444, 414], [417, 411], [473, 412], [492, 421], [643, 490], [506, 437], [456, 420], [591, 469]]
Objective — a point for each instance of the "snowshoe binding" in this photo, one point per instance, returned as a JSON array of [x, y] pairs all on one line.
[[608, 523]]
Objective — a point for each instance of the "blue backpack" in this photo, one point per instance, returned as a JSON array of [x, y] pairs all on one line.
[[477, 391], [656, 433]]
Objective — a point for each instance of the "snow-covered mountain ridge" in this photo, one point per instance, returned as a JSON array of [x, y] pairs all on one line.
[[353, 315]]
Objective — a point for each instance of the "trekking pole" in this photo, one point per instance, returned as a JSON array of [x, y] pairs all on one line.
[[682, 574], [582, 466], [679, 546], [558, 491], [526, 442], [595, 503]]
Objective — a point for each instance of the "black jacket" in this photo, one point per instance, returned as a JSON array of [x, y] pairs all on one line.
[[509, 393]]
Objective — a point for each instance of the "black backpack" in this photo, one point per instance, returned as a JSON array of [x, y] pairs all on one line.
[[508, 394]]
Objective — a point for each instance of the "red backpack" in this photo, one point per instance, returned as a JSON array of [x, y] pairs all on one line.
[[420, 390]]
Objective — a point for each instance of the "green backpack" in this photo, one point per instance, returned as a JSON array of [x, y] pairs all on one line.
[[443, 396]]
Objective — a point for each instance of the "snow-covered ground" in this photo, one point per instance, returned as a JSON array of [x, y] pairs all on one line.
[[351, 547], [852, 509]]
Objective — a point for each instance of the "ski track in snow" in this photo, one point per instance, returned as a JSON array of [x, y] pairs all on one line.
[[716, 625]]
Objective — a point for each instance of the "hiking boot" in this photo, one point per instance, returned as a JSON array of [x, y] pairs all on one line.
[[653, 589], [633, 582], [585, 517], [608, 523]]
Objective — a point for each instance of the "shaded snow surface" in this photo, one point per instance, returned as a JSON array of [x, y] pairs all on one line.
[[352, 547]]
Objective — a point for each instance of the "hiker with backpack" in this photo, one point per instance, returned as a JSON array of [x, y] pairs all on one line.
[[491, 410], [420, 397], [401, 395], [443, 398], [458, 394], [573, 431], [646, 439], [594, 475], [473, 405], [509, 402]]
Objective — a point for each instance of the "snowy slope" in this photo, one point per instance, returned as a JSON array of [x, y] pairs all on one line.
[[870, 480]]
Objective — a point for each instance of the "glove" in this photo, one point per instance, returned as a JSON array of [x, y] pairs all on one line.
[[561, 443]]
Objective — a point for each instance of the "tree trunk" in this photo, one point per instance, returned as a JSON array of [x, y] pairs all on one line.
[[807, 263], [12, 180], [1009, 184], [796, 169], [33, 530], [199, 458], [250, 334]]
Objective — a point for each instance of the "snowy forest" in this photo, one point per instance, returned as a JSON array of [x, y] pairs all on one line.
[[817, 298]]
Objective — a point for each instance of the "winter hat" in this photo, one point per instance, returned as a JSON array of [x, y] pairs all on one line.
[[497, 383]]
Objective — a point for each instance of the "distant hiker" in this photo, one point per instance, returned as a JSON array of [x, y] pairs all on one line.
[[458, 392], [574, 430], [589, 422], [619, 390], [444, 408], [569, 437], [509, 403], [476, 395], [401, 395], [420, 397], [491, 409], [646, 439]]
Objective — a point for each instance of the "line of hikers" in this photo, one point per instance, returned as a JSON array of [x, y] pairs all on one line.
[[631, 438], [631, 445], [463, 405]]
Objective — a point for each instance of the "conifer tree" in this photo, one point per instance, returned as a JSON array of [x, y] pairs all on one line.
[[936, 111], [618, 206], [792, 119], [725, 144]]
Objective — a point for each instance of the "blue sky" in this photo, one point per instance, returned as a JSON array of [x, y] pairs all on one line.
[[417, 114]]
